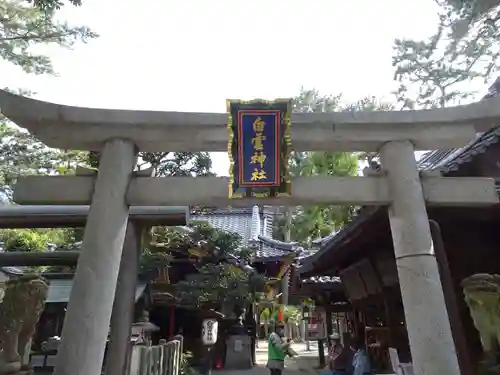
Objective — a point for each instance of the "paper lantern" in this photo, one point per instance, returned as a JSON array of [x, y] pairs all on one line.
[[209, 331]]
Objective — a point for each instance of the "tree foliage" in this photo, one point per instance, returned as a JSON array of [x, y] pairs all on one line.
[[46, 5], [23, 27], [309, 223], [220, 285], [198, 235], [472, 25], [438, 71], [21, 154], [429, 76], [32, 239], [162, 164], [177, 163], [222, 274]]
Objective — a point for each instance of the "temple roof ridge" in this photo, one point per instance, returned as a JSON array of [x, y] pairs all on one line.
[[321, 240], [255, 225], [289, 246]]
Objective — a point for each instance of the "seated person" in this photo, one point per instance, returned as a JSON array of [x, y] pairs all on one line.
[[339, 357], [360, 360]]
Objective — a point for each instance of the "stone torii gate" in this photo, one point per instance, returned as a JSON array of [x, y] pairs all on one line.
[[120, 134]]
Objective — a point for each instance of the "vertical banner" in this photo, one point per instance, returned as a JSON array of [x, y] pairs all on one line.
[[281, 314], [316, 329], [259, 147]]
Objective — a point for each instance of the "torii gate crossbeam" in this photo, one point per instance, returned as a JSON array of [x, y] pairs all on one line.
[[118, 135]]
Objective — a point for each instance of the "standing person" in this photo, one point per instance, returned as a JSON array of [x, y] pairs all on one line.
[[360, 361], [339, 357], [277, 348]]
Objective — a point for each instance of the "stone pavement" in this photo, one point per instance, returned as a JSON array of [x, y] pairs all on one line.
[[303, 364]]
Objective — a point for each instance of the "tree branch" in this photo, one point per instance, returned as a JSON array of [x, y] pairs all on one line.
[[38, 38]]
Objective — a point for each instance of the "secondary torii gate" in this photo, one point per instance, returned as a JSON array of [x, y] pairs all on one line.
[[120, 134]]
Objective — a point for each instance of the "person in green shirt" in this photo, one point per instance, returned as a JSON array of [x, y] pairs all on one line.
[[277, 349]]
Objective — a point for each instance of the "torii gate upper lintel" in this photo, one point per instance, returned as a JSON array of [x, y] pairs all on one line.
[[79, 128], [120, 134]]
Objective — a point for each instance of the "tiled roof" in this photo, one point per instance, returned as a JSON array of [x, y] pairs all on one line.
[[308, 263], [270, 248], [239, 220], [307, 253], [317, 243], [13, 271], [449, 160], [444, 160], [254, 225]]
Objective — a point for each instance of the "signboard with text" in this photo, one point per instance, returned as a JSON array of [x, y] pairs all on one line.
[[259, 147], [316, 328]]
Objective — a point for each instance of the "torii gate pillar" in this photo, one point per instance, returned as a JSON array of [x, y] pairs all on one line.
[[429, 330], [86, 325]]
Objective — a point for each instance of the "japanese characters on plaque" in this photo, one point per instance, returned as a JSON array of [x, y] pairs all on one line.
[[259, 147]]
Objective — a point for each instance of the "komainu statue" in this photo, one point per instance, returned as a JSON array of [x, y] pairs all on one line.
[[20, 308], [482, 295]]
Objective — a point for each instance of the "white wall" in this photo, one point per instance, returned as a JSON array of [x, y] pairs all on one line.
[[3, 277]]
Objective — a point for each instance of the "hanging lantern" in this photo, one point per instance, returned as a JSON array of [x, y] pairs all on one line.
[[209, 330]]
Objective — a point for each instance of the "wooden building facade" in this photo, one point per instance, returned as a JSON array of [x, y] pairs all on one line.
[[466, 242]]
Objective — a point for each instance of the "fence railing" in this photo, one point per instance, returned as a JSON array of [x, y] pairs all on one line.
[[162, 359]]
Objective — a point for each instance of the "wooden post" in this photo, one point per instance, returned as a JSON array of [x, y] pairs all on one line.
[[450, 299], [171, 321], [329, 325], [392, 324], [321, 352], [354, 321], [257, 338]]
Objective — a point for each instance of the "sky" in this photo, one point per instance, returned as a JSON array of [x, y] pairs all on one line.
[[192, 55]]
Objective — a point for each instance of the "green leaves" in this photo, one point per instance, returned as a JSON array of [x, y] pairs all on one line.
[[309, 223], [31, 239], [177, 163], [438, 71], [216, 281], [219, 284], [22, 154], [23, 27], [50, 5]]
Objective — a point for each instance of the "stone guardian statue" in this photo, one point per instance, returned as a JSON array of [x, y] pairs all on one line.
[[482, 295], [20, 309]]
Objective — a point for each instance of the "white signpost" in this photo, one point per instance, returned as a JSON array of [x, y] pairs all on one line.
[[118, 135]]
